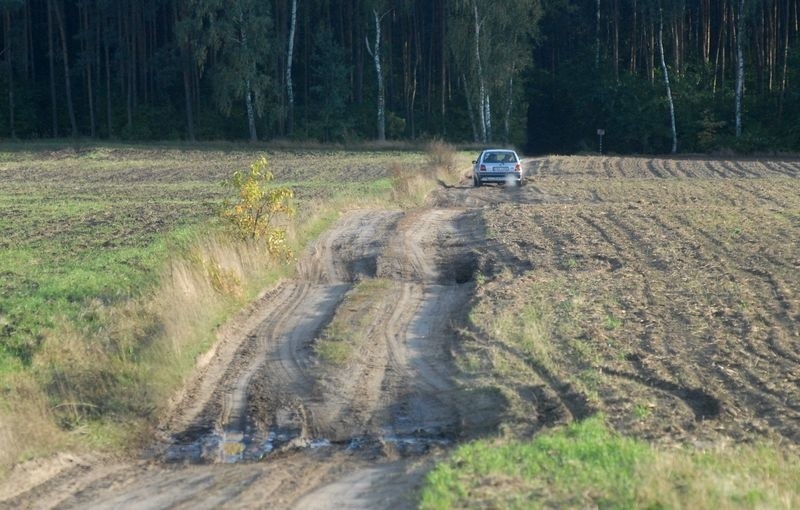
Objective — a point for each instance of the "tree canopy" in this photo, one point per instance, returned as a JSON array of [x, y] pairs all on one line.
[[543, 75]]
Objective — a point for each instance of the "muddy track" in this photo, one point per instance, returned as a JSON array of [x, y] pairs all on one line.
[[264, 393]]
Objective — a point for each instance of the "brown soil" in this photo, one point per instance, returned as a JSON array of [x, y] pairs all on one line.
[[674, 298]]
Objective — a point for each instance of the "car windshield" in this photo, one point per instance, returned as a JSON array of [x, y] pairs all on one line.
[[500, 157]]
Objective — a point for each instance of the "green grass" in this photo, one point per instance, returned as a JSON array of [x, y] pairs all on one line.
[[340, 340], [586, 465], [582, 465]]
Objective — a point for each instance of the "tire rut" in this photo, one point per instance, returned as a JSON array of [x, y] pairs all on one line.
[[278, 394]]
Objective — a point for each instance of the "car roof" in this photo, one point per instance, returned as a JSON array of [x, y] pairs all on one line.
[[497, 151], [484, 151]]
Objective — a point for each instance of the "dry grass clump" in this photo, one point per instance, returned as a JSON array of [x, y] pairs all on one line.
[[442, 156], [26, 425], [740, 476], [412, 184]]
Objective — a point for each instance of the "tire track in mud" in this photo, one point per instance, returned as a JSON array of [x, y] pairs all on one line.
[[660, 349], [741, 378]]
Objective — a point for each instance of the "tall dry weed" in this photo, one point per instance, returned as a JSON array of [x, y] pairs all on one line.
[[27, 428], [442, 157], [219, 274], [410, 184]]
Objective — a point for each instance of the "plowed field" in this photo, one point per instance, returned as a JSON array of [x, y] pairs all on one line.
[[663, 293], [669, 289]]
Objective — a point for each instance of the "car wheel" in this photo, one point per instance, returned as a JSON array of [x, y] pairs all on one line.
[[476, 181]]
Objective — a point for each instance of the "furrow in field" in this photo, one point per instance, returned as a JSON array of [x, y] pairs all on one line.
[[717, 169], [687, 168], [733, 169], [661, 166], [790, 169], [751, 187], [653, 169]]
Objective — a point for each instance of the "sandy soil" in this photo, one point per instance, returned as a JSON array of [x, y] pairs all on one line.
[[266, 423]]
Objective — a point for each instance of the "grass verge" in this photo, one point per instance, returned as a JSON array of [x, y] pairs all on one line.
[[586, 465]]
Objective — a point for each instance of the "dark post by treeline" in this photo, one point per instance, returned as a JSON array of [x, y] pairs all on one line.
[[543, 75]]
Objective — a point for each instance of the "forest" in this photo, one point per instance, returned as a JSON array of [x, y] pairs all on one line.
[[657, 76]]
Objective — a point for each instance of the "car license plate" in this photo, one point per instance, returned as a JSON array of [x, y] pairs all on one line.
[[502, 169]]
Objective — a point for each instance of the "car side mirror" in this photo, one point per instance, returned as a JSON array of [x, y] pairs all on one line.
[[474, 162]]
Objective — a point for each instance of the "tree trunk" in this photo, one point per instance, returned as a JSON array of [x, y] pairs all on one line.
[[443, 66], [251, 114], [487, 105], [67, 84], [616, 41], [482, 100], [187, 94], [89, 76], [186, 70], [470, 111], [509, 107], [739, 68], [10, 67], [666, 79], [289, 57], [109, 118], [51, 58], [785, 57], [376, 57], [597, 38], [719, 57], [634, 38]]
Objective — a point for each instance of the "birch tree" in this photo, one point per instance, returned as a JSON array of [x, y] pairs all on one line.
[[665, 72], [499, 49], [740, 27], [375, 53], [236, 33], [57, 9], [289, 59]]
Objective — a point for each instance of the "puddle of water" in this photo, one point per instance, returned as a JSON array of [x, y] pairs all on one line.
[[230, 447]]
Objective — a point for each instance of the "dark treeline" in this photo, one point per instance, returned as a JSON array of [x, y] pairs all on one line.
[[542, 74]]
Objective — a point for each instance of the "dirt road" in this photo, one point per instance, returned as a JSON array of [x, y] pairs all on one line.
[[356, 432], [271, 419]]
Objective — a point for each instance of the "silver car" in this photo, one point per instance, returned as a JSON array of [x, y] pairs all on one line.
[[497, 165]]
